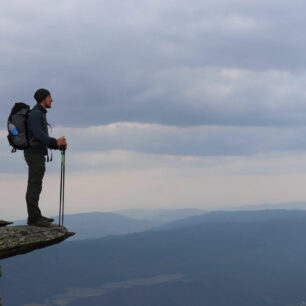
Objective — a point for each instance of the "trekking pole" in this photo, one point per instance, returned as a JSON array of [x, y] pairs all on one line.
[[62, 188], [60, 205]]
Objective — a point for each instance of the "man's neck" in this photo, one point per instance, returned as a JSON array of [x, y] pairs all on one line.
[[42, 108], [42, 105]]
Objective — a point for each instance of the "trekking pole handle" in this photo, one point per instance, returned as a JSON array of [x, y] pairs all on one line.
[[63, 148]]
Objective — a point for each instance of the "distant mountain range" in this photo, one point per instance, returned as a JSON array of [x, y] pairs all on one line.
[[101, 224], [233, 216], [289, 206], [218, 259], [160, 215]]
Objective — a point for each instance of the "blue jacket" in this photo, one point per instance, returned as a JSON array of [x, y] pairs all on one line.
[[38, 135]]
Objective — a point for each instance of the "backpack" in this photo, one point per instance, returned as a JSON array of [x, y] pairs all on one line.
[[17, 126]]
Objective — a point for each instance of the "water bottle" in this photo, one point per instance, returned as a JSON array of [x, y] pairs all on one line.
[[12, 129]]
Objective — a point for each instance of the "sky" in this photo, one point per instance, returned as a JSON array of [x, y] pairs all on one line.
[[165, 104]]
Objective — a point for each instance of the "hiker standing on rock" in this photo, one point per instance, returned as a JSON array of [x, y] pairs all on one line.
[[35, 155]]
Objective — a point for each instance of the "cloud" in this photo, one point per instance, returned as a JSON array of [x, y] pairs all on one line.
[[165, 62], [155, 97], [107, 141]]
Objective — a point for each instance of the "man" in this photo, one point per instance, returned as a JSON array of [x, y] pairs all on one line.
[[39, 142]]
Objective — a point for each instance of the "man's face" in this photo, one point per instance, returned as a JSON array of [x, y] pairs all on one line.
[[46, 103]]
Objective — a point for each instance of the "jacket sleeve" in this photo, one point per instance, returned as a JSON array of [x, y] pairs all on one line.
[[35, 123], [53, 144]]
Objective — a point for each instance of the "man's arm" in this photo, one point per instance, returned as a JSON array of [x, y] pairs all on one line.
[[35, 120]]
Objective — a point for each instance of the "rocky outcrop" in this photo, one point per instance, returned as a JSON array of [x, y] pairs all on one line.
[[5, 223], [15, 240]]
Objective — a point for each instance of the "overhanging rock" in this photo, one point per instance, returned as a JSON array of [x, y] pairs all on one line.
[[15, 240], [5, 223]]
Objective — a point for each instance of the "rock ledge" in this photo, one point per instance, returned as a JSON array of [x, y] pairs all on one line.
[[15, 240], [5, 223]]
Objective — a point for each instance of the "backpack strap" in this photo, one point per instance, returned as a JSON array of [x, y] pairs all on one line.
[[49, 159]]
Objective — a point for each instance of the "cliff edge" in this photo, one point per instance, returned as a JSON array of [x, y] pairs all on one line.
[[15, 240]]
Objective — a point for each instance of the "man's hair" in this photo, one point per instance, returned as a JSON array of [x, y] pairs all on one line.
[[41, 94]]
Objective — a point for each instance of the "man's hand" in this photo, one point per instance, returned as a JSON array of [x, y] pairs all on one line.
[[61, 142]]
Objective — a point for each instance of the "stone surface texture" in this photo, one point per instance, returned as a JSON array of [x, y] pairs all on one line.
[[15, 240]]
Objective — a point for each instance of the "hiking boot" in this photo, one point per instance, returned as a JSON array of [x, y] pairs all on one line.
[[41, 222], [48, 219]]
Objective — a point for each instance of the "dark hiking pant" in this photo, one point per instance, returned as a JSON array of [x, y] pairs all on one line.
[[36, 163]]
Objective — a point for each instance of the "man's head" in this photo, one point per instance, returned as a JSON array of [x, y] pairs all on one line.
[[43, 97]]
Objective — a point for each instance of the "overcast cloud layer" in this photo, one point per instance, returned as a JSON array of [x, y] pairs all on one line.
[[182, 63], [164, 103]]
